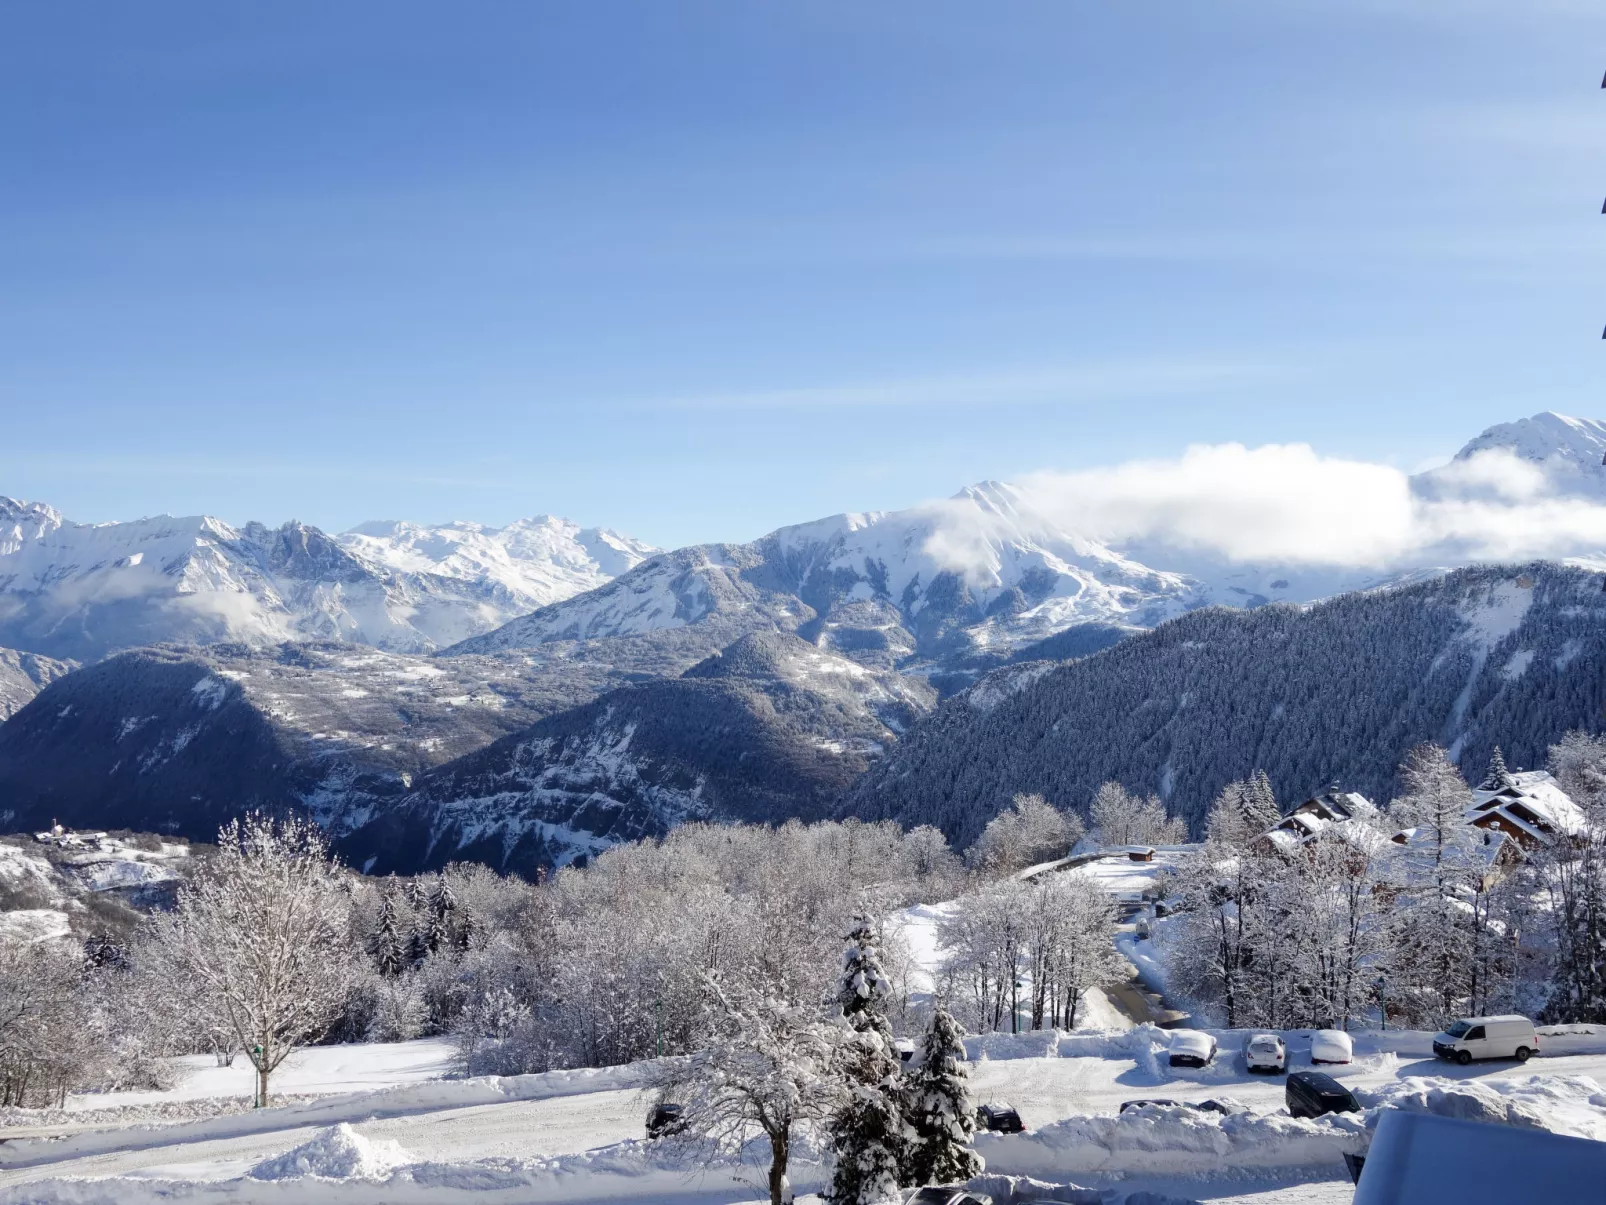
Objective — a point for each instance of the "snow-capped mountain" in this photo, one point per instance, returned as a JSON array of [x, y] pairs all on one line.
[[538, 561], [931, 587], [83, 590], [1568, 454]]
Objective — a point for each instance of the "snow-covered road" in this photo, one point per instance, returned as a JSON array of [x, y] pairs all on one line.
[[568, 1113]]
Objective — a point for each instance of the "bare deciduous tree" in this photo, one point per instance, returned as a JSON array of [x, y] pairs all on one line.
[[263, 935], [768, 1069]]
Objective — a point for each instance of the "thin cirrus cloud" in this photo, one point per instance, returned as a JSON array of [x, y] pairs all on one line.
[[1287, 503], [1142, 378]]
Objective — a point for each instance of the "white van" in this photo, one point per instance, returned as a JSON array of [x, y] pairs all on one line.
[[1471, 1038]]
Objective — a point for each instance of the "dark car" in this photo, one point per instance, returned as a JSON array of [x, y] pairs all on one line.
[[665, 1119], [947, 1194], [1312, 1093], [999, 1119]]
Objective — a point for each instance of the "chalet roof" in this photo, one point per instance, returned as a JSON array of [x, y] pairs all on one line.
[[1531, 799]]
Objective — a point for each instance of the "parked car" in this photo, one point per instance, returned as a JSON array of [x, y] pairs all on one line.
[[1224, 1107], [999, 1119], [1141, 1104], [906, 1050], [1265, 1052], [1312, 1093], [1190, 1048], [946, 1194], [1142, 929], [1331, 1046], [665, 1119], [1509, 1037]]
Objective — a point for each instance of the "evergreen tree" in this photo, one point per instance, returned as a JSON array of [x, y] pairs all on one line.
[[867, 1132], [417, 948], [1498, 775], [442, 904], [386, 943], [1260, 802], [938, 1109], [416, 896]]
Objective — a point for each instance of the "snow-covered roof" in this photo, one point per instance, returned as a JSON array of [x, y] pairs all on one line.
[[1535, 792]]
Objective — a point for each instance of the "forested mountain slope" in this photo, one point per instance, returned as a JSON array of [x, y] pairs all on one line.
[[180, 740], [1336, 692], [770, 729]]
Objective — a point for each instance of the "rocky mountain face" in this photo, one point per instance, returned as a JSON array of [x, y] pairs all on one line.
[[23, 675], [179, 740], [81, 591], [771, 729], [1334, 693]]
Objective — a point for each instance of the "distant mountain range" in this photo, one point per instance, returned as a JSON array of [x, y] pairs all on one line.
[[530, 693], [83, 591]]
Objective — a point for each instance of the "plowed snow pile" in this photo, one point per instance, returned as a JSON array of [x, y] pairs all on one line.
[[338, 1153]]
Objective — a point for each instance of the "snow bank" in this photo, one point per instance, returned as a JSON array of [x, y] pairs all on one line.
[[388, 1102], [1024, 1190], [645, 1171], [1562, 1104], [1139, 1042], [1159, 1140], [338, 1153]]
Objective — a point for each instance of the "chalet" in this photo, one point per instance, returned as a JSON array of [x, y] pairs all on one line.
[[1527, 807], [65, 838], [1316, 815]]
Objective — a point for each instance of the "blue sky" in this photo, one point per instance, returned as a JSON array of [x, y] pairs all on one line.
[[696, 270]]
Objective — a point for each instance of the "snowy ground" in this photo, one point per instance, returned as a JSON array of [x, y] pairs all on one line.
[[380, 1123], [576, 1135]]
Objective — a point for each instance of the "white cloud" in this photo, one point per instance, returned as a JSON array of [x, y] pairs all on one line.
[[1286, 503]]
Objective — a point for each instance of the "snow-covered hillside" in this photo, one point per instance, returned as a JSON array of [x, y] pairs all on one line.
[[179, 741], [84, 590], [23, 675], [770, 729]]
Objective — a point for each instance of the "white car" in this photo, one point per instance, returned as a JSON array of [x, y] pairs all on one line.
[[1190, 1048], [1331, 1046], [1265, 1052]]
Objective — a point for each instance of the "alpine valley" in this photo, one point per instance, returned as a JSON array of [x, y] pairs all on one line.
[[526, 695]]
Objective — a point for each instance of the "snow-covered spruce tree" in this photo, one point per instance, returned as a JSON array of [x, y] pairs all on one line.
[[385, 946], [1259, 802], [442, 906], [262, 933], [937, 1108], [867, 1132]]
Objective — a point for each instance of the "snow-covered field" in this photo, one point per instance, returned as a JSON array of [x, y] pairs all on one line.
[[577, 1135]]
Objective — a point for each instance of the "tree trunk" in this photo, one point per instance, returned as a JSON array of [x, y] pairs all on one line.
[[780, 1187], [262, 1087]]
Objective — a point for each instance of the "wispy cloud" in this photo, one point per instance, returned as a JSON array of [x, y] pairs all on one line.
[[1085, 383]]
